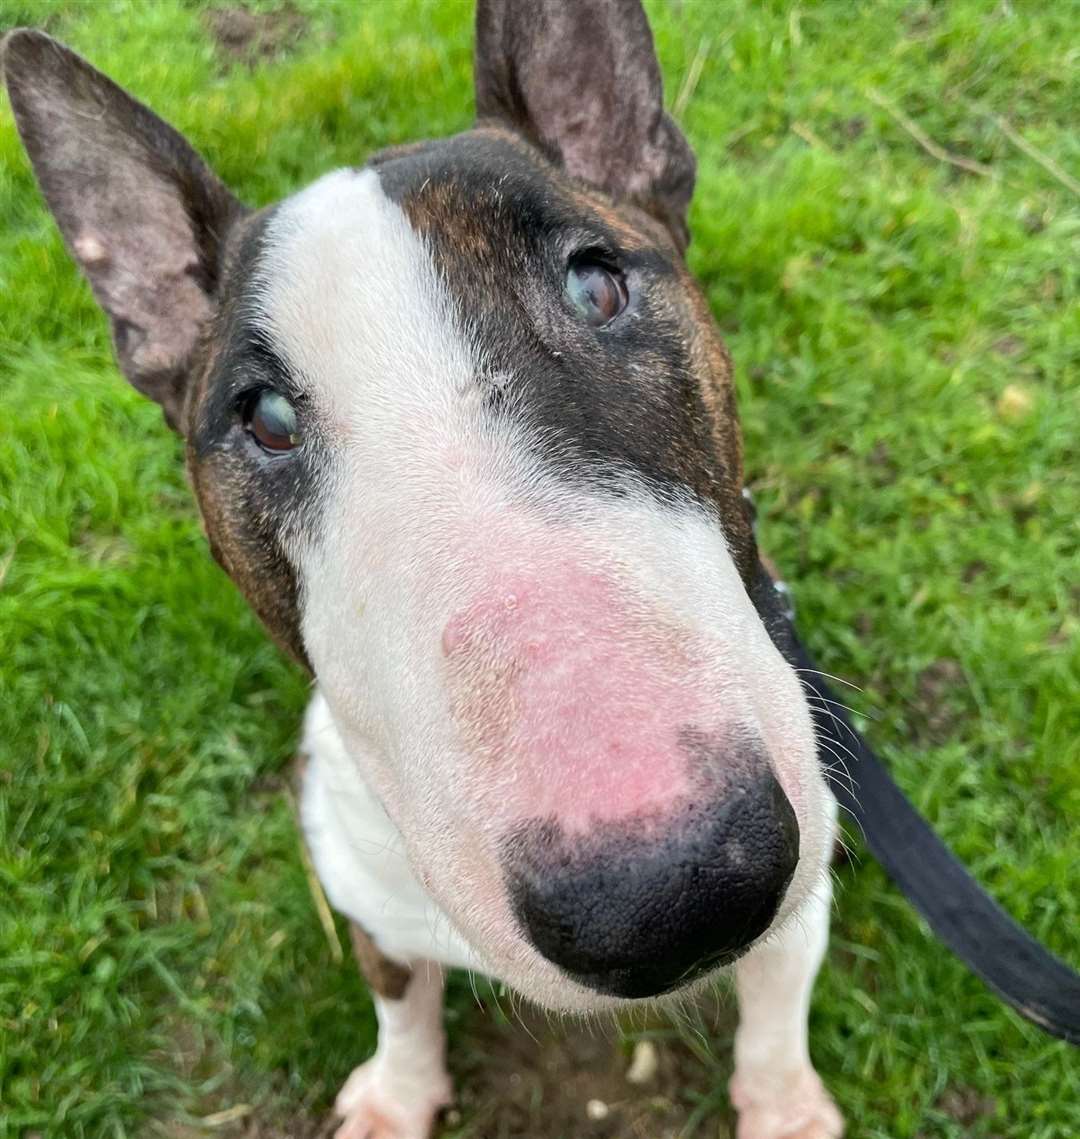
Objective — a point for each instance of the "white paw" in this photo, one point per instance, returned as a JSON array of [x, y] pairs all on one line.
[[375, 1104], [800, 1108]]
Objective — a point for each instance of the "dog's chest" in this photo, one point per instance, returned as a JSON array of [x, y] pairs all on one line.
[[360, 855]]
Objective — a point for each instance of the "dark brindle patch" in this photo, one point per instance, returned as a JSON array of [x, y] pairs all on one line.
[[650, 394], [253, 505], [386, 977]]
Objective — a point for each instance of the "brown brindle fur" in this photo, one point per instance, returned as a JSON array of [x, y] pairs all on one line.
[[712, 362], [264, 577], [385, 977], [258, 568]]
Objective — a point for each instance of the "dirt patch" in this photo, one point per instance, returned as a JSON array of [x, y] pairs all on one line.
[[249, 37], [919, 20], [295, 1127], [1008, 346], [883, 466], [554, 1081], [939, 687], [849, 130], [965, 1104]]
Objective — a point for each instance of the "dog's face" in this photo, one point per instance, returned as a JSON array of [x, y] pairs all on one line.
[[462, 431]]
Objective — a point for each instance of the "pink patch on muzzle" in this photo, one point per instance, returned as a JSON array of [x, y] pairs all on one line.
[[576, 696]]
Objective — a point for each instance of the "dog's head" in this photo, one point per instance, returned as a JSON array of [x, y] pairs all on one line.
[[462, 430]]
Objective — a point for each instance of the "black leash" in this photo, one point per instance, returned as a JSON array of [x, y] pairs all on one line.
[[1023, 972]]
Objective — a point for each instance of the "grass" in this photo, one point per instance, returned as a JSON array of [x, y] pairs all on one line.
[[907, 337]]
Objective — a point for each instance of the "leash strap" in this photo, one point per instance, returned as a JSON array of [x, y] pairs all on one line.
[[997, 949]]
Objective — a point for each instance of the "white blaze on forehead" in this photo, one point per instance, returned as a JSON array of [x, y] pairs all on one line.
[[352, 298]]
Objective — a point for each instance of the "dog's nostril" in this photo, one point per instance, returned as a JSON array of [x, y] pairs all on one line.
[[636, 920]]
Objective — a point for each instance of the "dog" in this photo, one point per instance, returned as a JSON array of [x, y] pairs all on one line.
[[462, 430]]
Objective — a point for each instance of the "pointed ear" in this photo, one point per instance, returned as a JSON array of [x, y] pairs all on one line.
[[139, 210], [581, 79]]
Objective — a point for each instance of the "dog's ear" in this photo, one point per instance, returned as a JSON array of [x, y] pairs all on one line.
[[581, 79], [140, 211]]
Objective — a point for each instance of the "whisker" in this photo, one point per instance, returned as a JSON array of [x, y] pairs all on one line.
[[827, 700], [829, 676], [816, 699], [837, 740], [840, 768], [472, 985], [520, 1018], [847, 848], [855, 819], [841, 764], [835, 771], [835, 743]]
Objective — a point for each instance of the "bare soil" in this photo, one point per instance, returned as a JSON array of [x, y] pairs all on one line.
[[245, 36], [566, 1081]]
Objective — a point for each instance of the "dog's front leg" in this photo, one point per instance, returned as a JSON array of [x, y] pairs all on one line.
[[775, 1089], [400, 1090]]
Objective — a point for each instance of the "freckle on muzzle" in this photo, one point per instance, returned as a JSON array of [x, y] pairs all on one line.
[[643, 906]]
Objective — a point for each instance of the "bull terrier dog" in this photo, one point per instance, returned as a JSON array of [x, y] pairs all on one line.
[[462, 430]]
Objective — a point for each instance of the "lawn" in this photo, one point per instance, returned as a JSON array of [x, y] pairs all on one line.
[[888, 225]]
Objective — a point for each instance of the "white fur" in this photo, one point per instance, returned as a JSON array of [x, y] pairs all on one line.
[[775, 1088], [398, 1092], [360, 855]]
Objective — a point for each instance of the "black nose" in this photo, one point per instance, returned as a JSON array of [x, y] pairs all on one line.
[[633, 916]]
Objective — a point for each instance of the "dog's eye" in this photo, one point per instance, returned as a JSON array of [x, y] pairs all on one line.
[[271, 420], [596, 292]]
